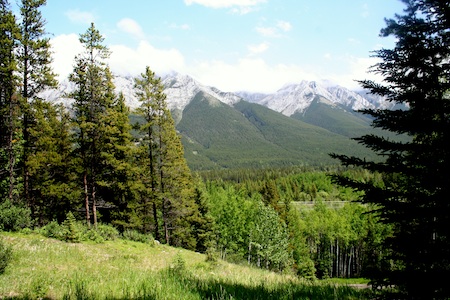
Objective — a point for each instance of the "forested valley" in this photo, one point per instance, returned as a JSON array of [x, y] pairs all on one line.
[[88, 173], [91, 165]]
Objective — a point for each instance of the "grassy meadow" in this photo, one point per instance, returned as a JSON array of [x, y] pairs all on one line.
[[43, 268]]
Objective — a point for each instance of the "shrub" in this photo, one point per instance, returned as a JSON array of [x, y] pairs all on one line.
[[5, 256], [52, 230], [70, 229], [178, 264], [107, 232], [134, 235], [13, 217], [92, 235]]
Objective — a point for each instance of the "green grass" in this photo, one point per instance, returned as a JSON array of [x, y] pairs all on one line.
[[44, 268]]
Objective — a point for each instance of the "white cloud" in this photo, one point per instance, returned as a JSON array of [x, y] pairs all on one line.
[[225, 3], [251, 73], [274, 31], [357, 69], [182, 26], [256, 75], [260, 48], [267, 31], [132, 27], [241, 7], [285, 26], [124, 60], [65, 48], [248, 74], [365, 11], [128, 61], [82, 17]]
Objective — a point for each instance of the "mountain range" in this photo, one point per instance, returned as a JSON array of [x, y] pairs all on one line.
[[300, 124]]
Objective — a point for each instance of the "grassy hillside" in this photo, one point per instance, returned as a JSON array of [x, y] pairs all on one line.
[[49, 269]]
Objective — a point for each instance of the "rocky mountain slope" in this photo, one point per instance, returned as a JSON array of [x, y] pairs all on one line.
[[300, 124]]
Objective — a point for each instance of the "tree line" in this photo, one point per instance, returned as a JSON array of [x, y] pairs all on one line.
[[53, 162], [262, 221], [85, 160]]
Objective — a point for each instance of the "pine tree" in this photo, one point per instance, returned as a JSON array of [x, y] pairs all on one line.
[[9, 105], [167, 178], [118, 184], [50, 165], [34, 62], [93, 95], [414, 196], [147, 89], [176, 183]]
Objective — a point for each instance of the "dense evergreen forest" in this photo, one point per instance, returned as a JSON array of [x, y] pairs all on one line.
[[91, 165]]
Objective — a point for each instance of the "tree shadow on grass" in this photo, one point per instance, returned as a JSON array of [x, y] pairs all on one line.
[[180, 284]]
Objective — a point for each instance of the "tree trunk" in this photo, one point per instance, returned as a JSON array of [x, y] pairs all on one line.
[[155, 220], [86, 199], [166, 227], [94, 206], [11, 158]]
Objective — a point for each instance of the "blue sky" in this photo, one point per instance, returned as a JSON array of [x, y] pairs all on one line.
[[253, 45]]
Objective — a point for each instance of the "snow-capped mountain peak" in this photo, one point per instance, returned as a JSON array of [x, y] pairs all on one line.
[[181, 89], [296, 98]]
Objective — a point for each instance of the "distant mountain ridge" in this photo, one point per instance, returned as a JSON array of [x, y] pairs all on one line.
[[290, 99], [300, 124]]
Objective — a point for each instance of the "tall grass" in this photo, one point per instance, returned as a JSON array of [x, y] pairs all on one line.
[[44, 268]]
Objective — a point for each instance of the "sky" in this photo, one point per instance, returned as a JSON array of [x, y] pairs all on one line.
[[233, 45]]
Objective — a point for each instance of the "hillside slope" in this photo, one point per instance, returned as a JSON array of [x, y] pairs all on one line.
[[217, 135], [45, 268]]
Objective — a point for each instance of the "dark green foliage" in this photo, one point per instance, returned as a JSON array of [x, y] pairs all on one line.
[[69, 229], [52, 230], [119, 170], [107, 232], [50, 164], [74, 231], [335, 118], [136, 236], [35, 74], [414, 196], [256, 137], [5, 256], [94, 96], [201, 220], [168, 190], [9, 104], [14, 217]]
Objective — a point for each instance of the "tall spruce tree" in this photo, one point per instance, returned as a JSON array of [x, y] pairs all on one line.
[[93, 96], [175, 182], [118, 184], [147, 89], [50, 165], [414, 196], [34, 62], [168, 182], [9, 105]]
